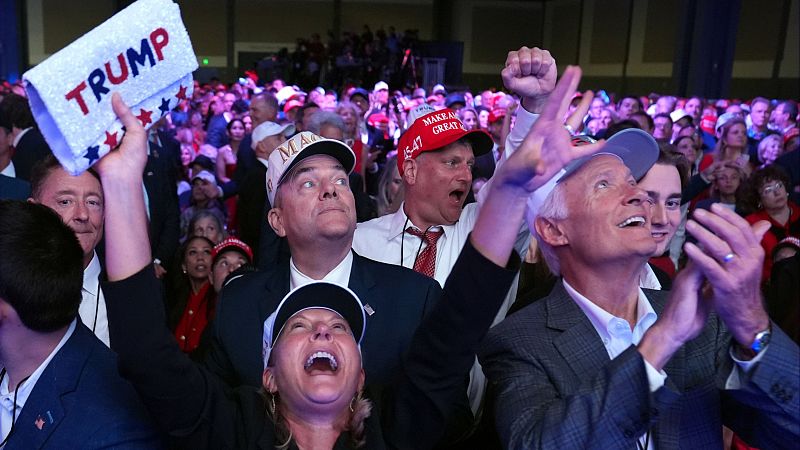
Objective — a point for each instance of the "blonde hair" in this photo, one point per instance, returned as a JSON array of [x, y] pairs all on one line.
[[721, 147]]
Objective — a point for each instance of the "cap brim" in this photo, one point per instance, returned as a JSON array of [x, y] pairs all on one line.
[[287, 130], [322, 295], [636, 148], [481, 142], [331, 147]]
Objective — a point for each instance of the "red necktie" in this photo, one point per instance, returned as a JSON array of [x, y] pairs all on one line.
[[426, 260]]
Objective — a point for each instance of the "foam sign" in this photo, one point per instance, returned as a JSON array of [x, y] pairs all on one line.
[[143, 52]]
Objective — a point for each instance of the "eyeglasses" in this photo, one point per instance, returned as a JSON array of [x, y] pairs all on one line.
[[769, 189]]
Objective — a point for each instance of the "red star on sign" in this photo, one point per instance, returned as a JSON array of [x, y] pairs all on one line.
[[111, 140], [181, 95], [144, 117]]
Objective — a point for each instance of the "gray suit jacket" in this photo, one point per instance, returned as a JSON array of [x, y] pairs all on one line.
[[557, 388]]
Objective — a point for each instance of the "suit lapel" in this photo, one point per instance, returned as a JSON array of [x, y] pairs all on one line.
[[45, 409], [579, 344], [361, 281], [276, 287]]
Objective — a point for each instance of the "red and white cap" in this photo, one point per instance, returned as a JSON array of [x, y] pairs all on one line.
[[435, 130], [231, 243]]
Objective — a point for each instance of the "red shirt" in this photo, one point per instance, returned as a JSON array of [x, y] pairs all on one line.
[[194, 320], [776, 233]]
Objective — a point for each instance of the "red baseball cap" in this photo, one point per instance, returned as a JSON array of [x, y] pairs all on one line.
[[292, 104], [231, 243], [377, 118], [435, 130], [707, 123], [496, 114]]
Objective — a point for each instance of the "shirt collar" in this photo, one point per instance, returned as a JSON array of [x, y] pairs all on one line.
[[263, 161], [399, 222], [19, 136], [338, 275], [648, 279], [9, 170], [604, 322], [91, 275]]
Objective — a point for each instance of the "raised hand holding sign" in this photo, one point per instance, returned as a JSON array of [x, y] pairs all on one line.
[[143, 52]]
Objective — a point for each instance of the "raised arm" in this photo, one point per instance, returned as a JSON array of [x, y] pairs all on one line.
[[127, 240], [175, 390]]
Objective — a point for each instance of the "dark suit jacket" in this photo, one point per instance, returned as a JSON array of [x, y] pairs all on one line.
[[557, 388], [14, 188], [782, 292], [252, 202], [162, 195], [399, 297], [484, 166], [31, 149], [83, 403], [201, 412]]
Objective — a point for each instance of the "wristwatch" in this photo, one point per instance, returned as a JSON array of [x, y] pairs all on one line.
[[761, 341]]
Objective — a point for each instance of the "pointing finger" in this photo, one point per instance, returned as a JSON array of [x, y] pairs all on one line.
[[558, 103]]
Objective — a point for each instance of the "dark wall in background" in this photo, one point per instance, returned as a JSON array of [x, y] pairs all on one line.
[[636, 45]]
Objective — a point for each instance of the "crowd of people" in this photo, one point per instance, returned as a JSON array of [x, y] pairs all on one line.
[[352, 58], [395, 268]]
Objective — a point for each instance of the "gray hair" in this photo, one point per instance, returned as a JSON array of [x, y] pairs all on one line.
[[322, 118], [554, 207]]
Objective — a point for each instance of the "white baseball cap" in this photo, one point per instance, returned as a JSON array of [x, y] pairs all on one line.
[[205, 175], [301, 146], [266, 129], [678, 114], [380, 85]]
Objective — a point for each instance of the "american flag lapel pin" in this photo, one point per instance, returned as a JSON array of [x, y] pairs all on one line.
[[368, 309]]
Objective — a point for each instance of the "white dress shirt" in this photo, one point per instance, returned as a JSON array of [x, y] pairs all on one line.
[[338, 275], [648, 279], [384, 239], [9, 170], [617, 336], [19, 136], [93, 306], [24, 390]]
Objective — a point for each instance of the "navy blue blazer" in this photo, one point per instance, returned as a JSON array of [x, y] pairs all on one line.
[[398, 297], [31, 149], [557, 388], [159, 182], [80, 401], [14, 188]]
